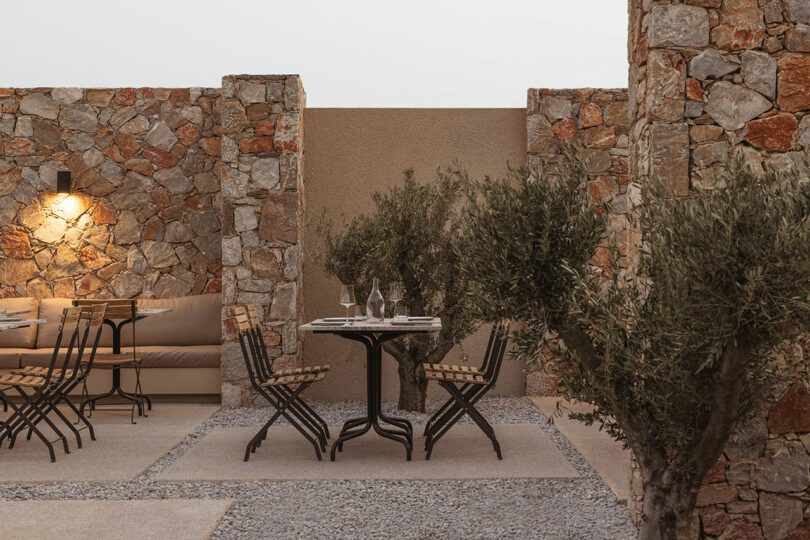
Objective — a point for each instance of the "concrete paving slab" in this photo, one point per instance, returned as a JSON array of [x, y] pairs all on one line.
[[121, 450], [464, 453], [610, 460], [178, 519]]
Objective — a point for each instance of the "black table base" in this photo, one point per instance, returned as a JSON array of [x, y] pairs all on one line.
[[401, 429], [116, 390]]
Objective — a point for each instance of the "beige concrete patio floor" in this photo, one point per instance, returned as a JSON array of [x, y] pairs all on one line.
[[464, 453], [605, 455], [178, 519], [121, 450]]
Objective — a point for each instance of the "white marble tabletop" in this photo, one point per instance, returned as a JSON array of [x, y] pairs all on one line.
[[21, 323], [148, 312], [337, 324]]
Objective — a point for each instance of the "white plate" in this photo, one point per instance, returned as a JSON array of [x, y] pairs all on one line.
[[342, 319]]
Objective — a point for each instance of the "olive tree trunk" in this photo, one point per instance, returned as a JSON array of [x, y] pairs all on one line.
[[412, 385], [668, 509]]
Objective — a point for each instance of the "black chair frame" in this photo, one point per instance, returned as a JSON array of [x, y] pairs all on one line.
[[464, 396]]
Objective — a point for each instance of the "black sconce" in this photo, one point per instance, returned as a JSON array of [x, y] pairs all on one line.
[[63, 181]]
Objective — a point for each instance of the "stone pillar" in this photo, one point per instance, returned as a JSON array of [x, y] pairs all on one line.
[[710, 75], [262, 191], [707, 76]]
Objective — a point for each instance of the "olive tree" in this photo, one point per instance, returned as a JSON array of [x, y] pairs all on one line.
[[675, 356], [410, 236]]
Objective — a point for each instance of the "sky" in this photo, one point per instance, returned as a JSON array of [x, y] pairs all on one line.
[[349, 53]]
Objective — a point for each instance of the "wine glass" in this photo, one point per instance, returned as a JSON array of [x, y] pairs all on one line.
[[347, 300], [396, 294]]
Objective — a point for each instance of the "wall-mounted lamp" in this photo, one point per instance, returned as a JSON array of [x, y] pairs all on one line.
[[63, 182]]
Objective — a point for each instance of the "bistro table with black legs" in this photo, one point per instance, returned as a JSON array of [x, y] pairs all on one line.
[[116, 370], [373, 335]]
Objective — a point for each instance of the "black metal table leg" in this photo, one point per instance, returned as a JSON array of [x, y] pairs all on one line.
[[358, 426], [136, 399]]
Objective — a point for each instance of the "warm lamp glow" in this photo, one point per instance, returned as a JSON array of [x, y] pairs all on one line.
[[65, 204]]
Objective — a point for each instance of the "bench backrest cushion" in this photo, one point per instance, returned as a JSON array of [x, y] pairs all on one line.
[[193, 320], [20, 337], [50, 309]]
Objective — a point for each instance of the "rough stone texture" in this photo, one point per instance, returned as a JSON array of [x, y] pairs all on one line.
[[794, 82], [779, 515], [742, 26], [121, 146], [732, 105], [710, 64], [679, 25], [262, 156], [777, 133], [791, 414], [759, 72]]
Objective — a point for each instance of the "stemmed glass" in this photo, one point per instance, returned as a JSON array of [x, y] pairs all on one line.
[[395, 295], [347, 300]]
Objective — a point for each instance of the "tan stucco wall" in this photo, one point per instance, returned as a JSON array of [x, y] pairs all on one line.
[[351, 152]]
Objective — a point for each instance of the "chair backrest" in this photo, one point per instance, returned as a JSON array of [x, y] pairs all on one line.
[[246, 342], [68, 331], [496, 349], [117, 308], [258, 338], [93, 315]]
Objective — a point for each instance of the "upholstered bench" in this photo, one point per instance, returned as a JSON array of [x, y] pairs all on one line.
[[181, 349]]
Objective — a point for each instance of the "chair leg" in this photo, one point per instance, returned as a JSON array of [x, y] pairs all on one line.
[[26, 421], [31, 407], [283, 392], [282, 411], [473, 413], [81, 417], [447, 404]]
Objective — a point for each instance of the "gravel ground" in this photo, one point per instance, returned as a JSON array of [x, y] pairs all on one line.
[[571, 509]]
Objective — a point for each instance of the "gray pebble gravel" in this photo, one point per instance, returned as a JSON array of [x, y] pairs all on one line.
[[584, 508]]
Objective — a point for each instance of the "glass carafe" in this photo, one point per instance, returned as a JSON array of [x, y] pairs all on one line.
[[375, 306]]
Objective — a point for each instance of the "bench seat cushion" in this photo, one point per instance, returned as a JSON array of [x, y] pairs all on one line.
[[191, 356], [10, 357], [154, 356]]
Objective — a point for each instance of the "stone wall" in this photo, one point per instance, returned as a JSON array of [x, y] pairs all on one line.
[[707, 76], [144, 218], [262, 189], [596, 119]]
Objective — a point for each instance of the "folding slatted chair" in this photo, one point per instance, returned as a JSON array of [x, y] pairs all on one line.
[[466, 386], [298, 407], [125, 311], [281, 389], [30, 413], [76, 373]]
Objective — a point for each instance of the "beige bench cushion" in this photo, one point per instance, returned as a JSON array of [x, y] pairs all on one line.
[[50, 309], [21, 337], [194, 320], [10, 357], [191, 356], [154, 356]]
